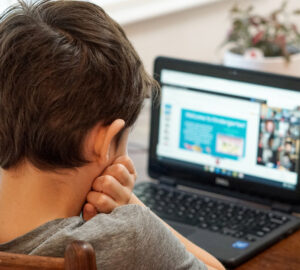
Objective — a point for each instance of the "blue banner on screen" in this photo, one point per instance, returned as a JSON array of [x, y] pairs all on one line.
[[211, 134]]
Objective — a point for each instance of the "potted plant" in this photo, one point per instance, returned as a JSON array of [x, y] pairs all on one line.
[[270, 43]]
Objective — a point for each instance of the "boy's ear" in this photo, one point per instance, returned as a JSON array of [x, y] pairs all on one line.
[[105, 138], [122, 143]]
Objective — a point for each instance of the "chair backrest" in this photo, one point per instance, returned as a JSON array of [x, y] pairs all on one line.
[[79, 255]]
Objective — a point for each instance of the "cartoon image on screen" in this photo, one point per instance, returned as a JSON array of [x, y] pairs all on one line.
[[279, 138], [230, 145], [216, 135]]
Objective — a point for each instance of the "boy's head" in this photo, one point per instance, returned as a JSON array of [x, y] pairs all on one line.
[[65, 66]]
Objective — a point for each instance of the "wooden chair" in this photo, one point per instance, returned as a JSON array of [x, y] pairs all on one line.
[[79, 255]]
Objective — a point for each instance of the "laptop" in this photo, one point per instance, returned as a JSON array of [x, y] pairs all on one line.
[[224, 157]]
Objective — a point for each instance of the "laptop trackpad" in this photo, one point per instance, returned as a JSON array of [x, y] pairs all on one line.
[[181, 228]]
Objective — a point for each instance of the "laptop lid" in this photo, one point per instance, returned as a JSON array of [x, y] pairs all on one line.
[[222, 127]]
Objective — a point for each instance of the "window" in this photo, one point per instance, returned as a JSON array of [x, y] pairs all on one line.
[[5, 4]]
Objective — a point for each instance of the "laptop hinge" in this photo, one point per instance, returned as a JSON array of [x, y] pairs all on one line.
[[166, 181], [282, 207]]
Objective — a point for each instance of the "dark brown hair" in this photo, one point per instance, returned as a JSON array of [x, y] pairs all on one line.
[[64, 67]]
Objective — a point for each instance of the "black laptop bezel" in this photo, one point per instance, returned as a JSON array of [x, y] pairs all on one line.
[[189, 175]]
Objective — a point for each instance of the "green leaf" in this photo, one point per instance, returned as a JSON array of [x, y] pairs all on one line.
[[297, 12], [249, 9], [283, 5], [235, 9], [237, 24]]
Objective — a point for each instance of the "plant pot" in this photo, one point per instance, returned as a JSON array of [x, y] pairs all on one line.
[[266, 64]]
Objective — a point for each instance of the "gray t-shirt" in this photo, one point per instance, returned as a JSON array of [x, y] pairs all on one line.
[[131, 237]]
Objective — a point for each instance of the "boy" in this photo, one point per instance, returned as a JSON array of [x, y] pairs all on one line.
[[71, 85]]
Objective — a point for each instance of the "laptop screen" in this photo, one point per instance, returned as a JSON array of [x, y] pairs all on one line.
[[228, 127]]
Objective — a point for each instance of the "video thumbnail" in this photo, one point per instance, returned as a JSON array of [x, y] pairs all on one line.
[[279, 138]]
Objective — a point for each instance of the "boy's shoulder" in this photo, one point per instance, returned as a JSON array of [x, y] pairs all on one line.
[[123, 220], [131, 237], [110, 235]]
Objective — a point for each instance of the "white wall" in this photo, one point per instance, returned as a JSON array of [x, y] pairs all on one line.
[[192, 34]]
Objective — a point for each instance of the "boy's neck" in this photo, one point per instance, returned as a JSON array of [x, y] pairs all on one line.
[[30, 197]]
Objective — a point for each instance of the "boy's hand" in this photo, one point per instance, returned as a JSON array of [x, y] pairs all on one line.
[[112, 189]]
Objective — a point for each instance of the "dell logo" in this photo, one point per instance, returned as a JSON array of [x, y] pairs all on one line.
[[222, 182]]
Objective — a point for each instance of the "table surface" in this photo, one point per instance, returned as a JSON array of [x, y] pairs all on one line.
[[284, 255]]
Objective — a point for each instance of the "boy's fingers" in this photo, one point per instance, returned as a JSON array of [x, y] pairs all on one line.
[[120, 172], [89, 211], [127, 162], [110, 186], [102, 202]]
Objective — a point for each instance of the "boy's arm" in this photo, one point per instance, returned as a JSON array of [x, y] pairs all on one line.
[[114, 188], [211, 262]]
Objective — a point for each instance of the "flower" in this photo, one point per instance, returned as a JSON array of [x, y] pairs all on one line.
[[273, 35], [257, 38]]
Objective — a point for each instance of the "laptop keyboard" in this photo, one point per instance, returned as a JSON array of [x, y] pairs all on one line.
[[209, 213]]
